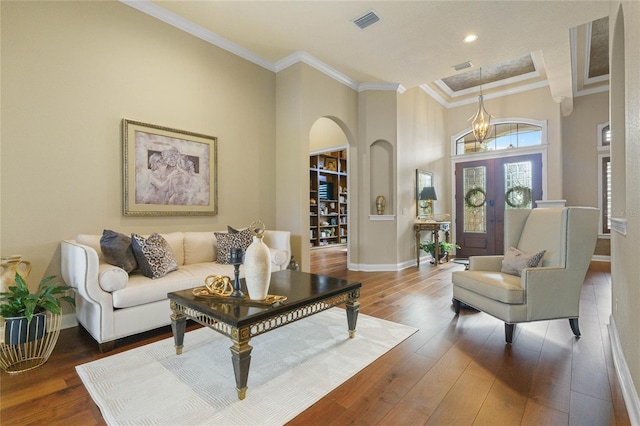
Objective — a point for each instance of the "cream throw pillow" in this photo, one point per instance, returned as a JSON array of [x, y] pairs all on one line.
[[515, 261]]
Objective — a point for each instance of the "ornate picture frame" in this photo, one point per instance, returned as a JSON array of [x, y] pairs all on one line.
[[168, 172], [423, 178]]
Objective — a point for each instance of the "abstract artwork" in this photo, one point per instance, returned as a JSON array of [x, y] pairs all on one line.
[[168, 172]]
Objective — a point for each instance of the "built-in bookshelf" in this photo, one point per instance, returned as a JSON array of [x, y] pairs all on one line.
[[328, 199]]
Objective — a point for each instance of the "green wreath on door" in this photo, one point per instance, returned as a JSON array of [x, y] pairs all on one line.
[[475, 197], [518, 197]]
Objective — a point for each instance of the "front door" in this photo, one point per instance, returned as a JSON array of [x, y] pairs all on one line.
[[484, 190]]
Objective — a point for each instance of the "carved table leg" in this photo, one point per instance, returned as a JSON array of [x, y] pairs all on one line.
[[418, 247], [353, 307], [241, 359], [178, 326]]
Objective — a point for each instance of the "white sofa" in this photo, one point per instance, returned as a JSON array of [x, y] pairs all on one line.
[[112, 304]]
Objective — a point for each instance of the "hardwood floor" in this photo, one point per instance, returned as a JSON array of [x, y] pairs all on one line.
[[454, 370]]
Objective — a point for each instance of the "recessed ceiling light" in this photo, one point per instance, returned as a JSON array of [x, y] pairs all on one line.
[[470, 38]]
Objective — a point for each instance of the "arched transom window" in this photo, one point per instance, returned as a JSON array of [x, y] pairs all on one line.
[[506, 135]]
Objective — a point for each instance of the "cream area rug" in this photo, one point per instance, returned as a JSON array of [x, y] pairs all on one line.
[[292, 367]]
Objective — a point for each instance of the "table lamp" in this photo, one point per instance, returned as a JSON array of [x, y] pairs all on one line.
[[428, 193]]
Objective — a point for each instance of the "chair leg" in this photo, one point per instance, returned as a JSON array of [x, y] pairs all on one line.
[[508, 332], [456, 306], [573, 322]]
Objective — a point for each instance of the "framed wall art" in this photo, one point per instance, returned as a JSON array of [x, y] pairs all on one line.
[[168, 172]]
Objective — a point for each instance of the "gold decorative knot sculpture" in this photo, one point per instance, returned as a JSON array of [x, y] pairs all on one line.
[[219, 285]]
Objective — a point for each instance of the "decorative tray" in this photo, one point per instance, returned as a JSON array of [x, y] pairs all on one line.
[[271, 299]]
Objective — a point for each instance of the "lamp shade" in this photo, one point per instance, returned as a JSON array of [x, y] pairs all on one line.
[[428, 193]]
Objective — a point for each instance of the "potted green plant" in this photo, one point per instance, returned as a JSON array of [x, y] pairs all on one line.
[[24, 312], [445, 248]]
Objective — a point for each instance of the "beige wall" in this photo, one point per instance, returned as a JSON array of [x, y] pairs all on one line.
[[303, 96], [70, 72], [624, 39], [580, 154], [580, 149], [378, 150], [423, 144]]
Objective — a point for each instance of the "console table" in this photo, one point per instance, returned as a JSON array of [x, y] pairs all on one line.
[[435, 228]]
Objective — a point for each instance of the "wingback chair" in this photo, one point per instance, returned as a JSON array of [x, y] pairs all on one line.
[[549, 291]]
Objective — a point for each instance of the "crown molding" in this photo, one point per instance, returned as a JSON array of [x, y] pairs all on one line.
[[435, 95], [396, 87], [316, 63], [476, 89], [494, 95], [151, 9], [179, 22], [591, 91]]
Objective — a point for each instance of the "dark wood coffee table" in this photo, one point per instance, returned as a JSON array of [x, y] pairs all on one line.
[[307, 294]]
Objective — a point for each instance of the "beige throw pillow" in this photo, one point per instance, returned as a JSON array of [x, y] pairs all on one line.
[[515, 261]]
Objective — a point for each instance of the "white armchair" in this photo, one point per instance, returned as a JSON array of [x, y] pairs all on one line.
[[549, 291]]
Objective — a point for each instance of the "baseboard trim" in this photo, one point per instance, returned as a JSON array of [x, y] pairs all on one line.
[[624, 375], [379, 268], [68, 321]]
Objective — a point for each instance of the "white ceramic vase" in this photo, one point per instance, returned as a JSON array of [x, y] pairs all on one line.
[[257, 269]]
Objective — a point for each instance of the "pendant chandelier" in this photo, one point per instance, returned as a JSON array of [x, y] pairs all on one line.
[[481, 120]]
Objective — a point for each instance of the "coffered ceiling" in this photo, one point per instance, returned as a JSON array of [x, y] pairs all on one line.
[[521, 44]]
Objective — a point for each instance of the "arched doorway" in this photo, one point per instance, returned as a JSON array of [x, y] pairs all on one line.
[[329, 185]]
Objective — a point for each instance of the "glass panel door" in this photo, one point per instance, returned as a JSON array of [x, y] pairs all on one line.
[[474, 233], [484, 190]]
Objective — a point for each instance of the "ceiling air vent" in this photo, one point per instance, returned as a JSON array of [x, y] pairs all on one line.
[[462, 66], [367, 19]]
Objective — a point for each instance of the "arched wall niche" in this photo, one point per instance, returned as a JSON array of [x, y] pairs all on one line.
[[381, 172]]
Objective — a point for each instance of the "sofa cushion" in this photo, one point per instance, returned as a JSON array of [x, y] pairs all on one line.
[[226, 241], [140, 290], [516, 260], [112, 278], [199, 247], [154, 255], [495, 285], [117, 251]]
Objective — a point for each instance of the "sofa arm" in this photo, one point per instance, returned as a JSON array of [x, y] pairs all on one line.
[[279, 241], [485, 263], [94, 307], [279, 259]]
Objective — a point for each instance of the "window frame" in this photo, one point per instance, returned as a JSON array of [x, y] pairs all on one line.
[[602, 144], [604, 157], [507, 120]]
